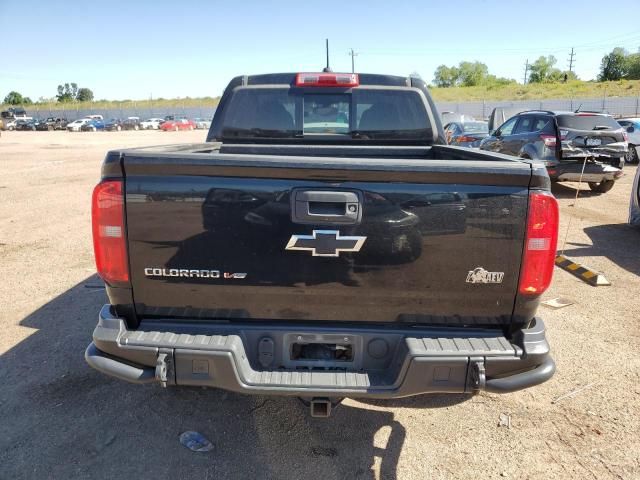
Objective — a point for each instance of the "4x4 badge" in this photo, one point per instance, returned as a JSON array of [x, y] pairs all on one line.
[[325, 243], [480, 275]]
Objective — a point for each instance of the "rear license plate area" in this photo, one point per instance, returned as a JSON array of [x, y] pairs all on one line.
[[593, 142], [326, 352], [322, 350]]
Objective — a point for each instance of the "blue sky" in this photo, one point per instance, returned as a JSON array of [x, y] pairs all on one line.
[[134, 50]]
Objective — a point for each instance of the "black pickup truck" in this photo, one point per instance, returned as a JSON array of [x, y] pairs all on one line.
[[323, 243]]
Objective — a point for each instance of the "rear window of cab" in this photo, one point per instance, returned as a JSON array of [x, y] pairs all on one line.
[[360, 114]]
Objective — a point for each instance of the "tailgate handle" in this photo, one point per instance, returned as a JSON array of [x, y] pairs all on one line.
[[326, 207]]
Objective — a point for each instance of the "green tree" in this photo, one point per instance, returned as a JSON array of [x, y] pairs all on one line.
[[84, 95], [614, 65], [15, 98], [633, 66], [543, 70], [64, 93], [446, 76], [472, 74], [69, 92]]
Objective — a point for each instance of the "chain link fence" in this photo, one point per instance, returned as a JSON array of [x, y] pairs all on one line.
[[143, 113], [617, 106]]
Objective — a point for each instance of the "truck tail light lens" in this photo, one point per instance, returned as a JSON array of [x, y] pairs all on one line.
[[540, 244], [344, 80], [109, 245]]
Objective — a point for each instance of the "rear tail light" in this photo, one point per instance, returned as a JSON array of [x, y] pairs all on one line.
[[540, 244], [109, 245], [465, 139], [549, 140], [625, 137], [327, 80]]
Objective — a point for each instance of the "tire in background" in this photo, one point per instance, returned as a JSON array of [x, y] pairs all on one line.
[[602, 187]]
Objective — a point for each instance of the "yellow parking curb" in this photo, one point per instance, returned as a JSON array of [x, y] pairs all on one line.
[[585, 274]]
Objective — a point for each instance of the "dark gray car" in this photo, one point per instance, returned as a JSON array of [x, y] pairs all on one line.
[[466, 134], [565, 141]]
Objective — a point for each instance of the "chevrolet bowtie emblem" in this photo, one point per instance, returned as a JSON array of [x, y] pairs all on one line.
[[325, 243]]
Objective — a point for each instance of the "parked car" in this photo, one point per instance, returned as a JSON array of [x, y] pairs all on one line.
[[466, 134], [151, 123], [41, 125], [202, 123], [113, 125], [52, 123], [93, 126], [77, 124], [131, 123], [499, 115], [94, 117], [9, 123], [14, 112], [22, 125], [632, 127], [564, 141], [175, 125], [325, 234], [57, 123], [9, 117], [44, 126], [12, 124], [26, 124]]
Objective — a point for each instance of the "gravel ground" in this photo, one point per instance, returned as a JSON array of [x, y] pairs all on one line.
[[61, 419]]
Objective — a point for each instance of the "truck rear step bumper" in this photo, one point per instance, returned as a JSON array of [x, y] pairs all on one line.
[[405, 361]]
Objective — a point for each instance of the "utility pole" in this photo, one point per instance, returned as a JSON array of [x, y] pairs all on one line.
[[526, 70], [571, 55], [353, 63]]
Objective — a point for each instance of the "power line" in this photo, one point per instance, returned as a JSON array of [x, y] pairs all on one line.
[[592, 46], [353, 63], [571, 55]]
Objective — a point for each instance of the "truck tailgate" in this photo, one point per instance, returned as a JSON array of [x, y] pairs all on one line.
[[214, 237]]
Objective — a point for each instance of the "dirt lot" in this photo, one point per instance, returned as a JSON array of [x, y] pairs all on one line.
[[61, 419]]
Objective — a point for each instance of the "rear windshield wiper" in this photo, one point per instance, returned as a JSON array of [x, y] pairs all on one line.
[[602, 127]]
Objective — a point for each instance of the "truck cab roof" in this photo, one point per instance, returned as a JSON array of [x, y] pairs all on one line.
[[327, 108], [290, 78]]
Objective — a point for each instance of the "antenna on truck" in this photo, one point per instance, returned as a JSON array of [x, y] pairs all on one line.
[[327, 68]]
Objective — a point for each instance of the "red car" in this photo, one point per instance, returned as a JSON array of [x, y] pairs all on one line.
[[180, 124]]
